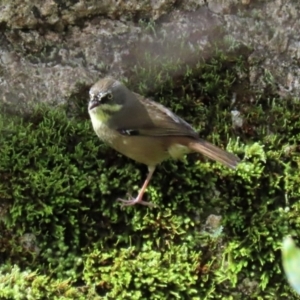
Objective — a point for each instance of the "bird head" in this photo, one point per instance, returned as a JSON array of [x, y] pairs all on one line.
[[106, 98]]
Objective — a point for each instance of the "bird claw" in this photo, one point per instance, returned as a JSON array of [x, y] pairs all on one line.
[[132, 201]]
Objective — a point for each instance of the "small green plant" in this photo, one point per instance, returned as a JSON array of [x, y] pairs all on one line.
[[291, 262]]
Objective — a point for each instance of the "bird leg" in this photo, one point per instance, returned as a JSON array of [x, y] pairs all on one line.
[[139, 198]]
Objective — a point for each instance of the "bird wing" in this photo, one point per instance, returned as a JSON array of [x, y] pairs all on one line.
[[156, 120]]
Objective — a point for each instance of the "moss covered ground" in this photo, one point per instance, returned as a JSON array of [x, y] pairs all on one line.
[[214, 234]]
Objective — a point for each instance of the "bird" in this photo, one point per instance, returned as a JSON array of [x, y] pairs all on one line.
[[145, 131]]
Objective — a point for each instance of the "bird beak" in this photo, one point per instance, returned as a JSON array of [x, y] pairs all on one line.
[[93, 103]]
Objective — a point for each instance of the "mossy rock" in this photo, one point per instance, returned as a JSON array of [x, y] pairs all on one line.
[[64, 236]]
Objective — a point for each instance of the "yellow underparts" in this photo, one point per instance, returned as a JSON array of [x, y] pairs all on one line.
[[177, 151]]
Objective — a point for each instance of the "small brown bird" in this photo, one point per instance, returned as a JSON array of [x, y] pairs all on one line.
[[144, 130]]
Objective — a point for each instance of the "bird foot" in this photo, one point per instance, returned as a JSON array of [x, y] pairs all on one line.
[[132, 201]]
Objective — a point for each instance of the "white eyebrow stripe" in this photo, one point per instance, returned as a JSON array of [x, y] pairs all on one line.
[[116, 83]]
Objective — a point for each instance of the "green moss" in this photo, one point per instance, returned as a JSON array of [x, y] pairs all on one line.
[[18, 285], [62, 227]]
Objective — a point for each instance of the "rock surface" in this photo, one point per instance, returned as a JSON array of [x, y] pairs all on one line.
[[54, 50]]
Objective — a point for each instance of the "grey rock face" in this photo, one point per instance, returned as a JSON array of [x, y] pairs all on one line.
[[50, 50]]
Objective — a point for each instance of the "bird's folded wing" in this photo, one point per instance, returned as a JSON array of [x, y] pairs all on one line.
[[157, 120]]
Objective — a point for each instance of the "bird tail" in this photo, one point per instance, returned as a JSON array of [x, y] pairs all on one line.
[[215, 153]]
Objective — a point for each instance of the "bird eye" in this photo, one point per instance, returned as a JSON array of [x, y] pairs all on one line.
[[106, 98]]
